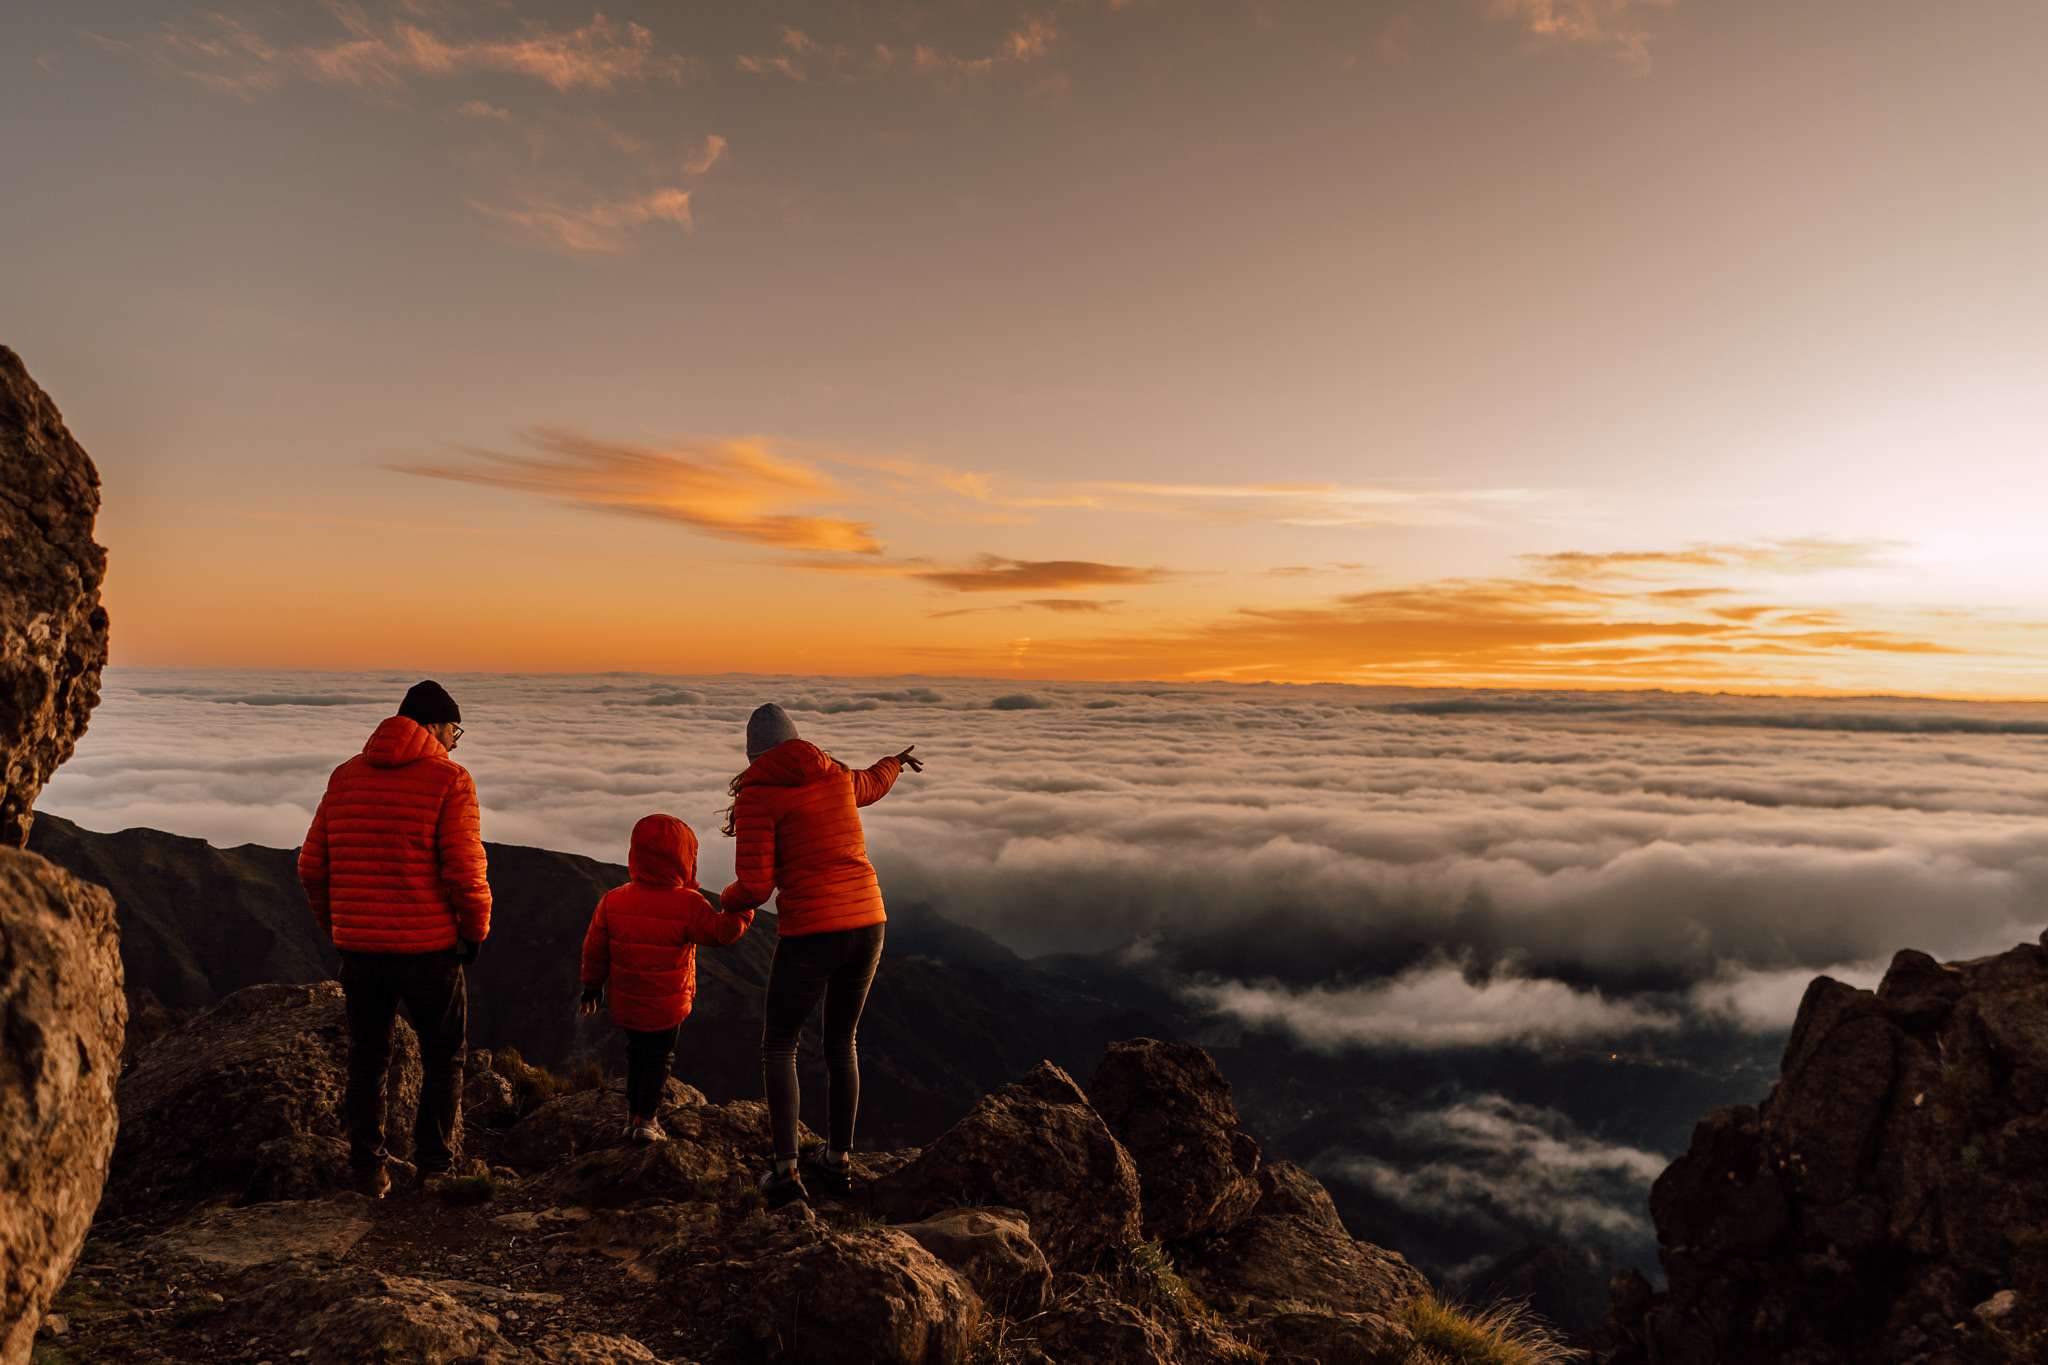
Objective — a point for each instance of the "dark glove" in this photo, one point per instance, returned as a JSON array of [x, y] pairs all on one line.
[[467, 951], [588, 1004]]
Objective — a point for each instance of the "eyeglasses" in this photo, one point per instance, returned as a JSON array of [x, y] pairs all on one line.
[[457, 735]]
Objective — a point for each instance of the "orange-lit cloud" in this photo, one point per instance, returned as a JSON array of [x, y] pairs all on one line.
[[730, 490], [592, 228], [1798, 555], [382, 53], [1620, 27], [1314, 504], [995, 574], [798, 56]]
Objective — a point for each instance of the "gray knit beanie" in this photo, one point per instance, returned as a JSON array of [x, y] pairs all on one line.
[[769, 726]]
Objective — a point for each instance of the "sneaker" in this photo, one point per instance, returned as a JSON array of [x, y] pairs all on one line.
[[834, 1181], [374, 1183], [780, 1190], [646, 1131]]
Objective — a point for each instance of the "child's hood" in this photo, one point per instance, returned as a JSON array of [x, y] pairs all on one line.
[[664, 852]]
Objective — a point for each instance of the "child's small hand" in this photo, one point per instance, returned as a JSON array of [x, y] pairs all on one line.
[[588, 1005]]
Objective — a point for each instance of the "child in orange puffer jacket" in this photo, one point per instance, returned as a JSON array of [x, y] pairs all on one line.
[[643, 942]]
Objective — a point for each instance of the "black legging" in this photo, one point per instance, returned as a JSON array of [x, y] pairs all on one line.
[[840, 966]]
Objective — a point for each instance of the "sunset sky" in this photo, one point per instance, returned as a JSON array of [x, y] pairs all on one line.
[[1554, 343]]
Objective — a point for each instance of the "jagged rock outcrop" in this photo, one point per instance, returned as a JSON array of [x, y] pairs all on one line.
[[61, 1009], [1170, 1108], [1887, 1202], [203, 1105], [61, 1015], [53, 631], [1036, 1145]]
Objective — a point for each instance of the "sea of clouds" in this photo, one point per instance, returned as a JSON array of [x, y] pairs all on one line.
[[1361, 868]]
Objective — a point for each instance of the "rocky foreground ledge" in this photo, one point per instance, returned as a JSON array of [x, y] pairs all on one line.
[[1888, 1202], [1131, 1223]]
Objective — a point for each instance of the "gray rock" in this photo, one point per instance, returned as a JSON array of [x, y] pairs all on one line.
[[61, 1018], [53, 631]]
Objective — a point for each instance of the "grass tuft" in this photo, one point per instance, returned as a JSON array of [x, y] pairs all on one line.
[[533, 1086], [1144, 1278], [1505, 1334]]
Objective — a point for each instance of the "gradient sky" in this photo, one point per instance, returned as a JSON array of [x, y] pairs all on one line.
[[1536, 342]]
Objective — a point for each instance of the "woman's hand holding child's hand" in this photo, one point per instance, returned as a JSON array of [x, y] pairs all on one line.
[[915, 765]]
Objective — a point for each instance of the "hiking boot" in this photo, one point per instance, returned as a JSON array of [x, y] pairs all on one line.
[[781, 1190], [835, 1181], [374, 1183]]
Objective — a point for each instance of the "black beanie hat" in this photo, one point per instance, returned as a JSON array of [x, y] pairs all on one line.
[[429, 704]]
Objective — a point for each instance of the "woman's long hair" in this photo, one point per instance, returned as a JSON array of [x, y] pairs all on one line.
[[732, 789]]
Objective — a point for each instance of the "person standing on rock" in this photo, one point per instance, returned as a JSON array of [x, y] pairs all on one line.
[[394, 867], [643, 942], [795, 814]]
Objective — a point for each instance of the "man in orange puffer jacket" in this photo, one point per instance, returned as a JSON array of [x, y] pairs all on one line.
[[642, 943], [394, 867]]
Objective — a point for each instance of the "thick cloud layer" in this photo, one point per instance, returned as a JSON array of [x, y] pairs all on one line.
[[1361, 866]]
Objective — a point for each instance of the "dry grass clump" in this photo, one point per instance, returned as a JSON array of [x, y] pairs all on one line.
[[1145, 1279], [533, 1086], [1505, 1334]]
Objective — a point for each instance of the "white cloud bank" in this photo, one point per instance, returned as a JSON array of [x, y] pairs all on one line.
[[1592, 864]]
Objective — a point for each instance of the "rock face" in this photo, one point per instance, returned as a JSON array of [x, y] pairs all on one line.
[[1170, 1108], [53, 631], [61, 1016], [204, 1106], [1035, 1145], [1883, 1198]]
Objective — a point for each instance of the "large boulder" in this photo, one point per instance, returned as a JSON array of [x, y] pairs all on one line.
[[53, 631], [1170, 1108], [1294, 1250], [992, 1250], [793, 1289], [352, 1315], [61, 1017], [1883, 1196], [1035, 1145], [267, 1063]]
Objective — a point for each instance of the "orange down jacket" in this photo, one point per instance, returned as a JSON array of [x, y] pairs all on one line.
[[394, 862], [643, 938], [799, 832]]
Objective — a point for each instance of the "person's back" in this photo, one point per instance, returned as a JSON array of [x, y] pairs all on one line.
[[393, 867], [641, 950], [796, 817]]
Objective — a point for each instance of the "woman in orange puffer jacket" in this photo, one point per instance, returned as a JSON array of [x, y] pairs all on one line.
[[643, 942], [795, 815]]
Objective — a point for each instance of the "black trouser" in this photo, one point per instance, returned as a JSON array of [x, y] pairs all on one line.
[[647, 1056], [431, 986], [840, 966]]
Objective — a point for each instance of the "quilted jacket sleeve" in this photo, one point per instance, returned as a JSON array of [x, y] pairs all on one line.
[[754, 859], [313, 869], [709, 925], [597, 948], [871, 784], [460, 841]]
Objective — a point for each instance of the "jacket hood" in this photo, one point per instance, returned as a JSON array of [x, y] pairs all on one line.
[[789, 764], [664, 852], [399, 741]]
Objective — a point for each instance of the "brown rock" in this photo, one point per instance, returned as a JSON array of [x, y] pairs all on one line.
[[1035, 1145], [269, 1234], [53, 631], [487, 1097], [992, 1250], [266, 1063], [613, 1177], [1296, 1258], [591, 1348], [796, 1290], [1285, 1188], [299, 1166], [353, 1315], [1090, 1323], [1336, 1336], [61, 1018], [1895, 1177], [593, 1120], [1170, 1108]]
